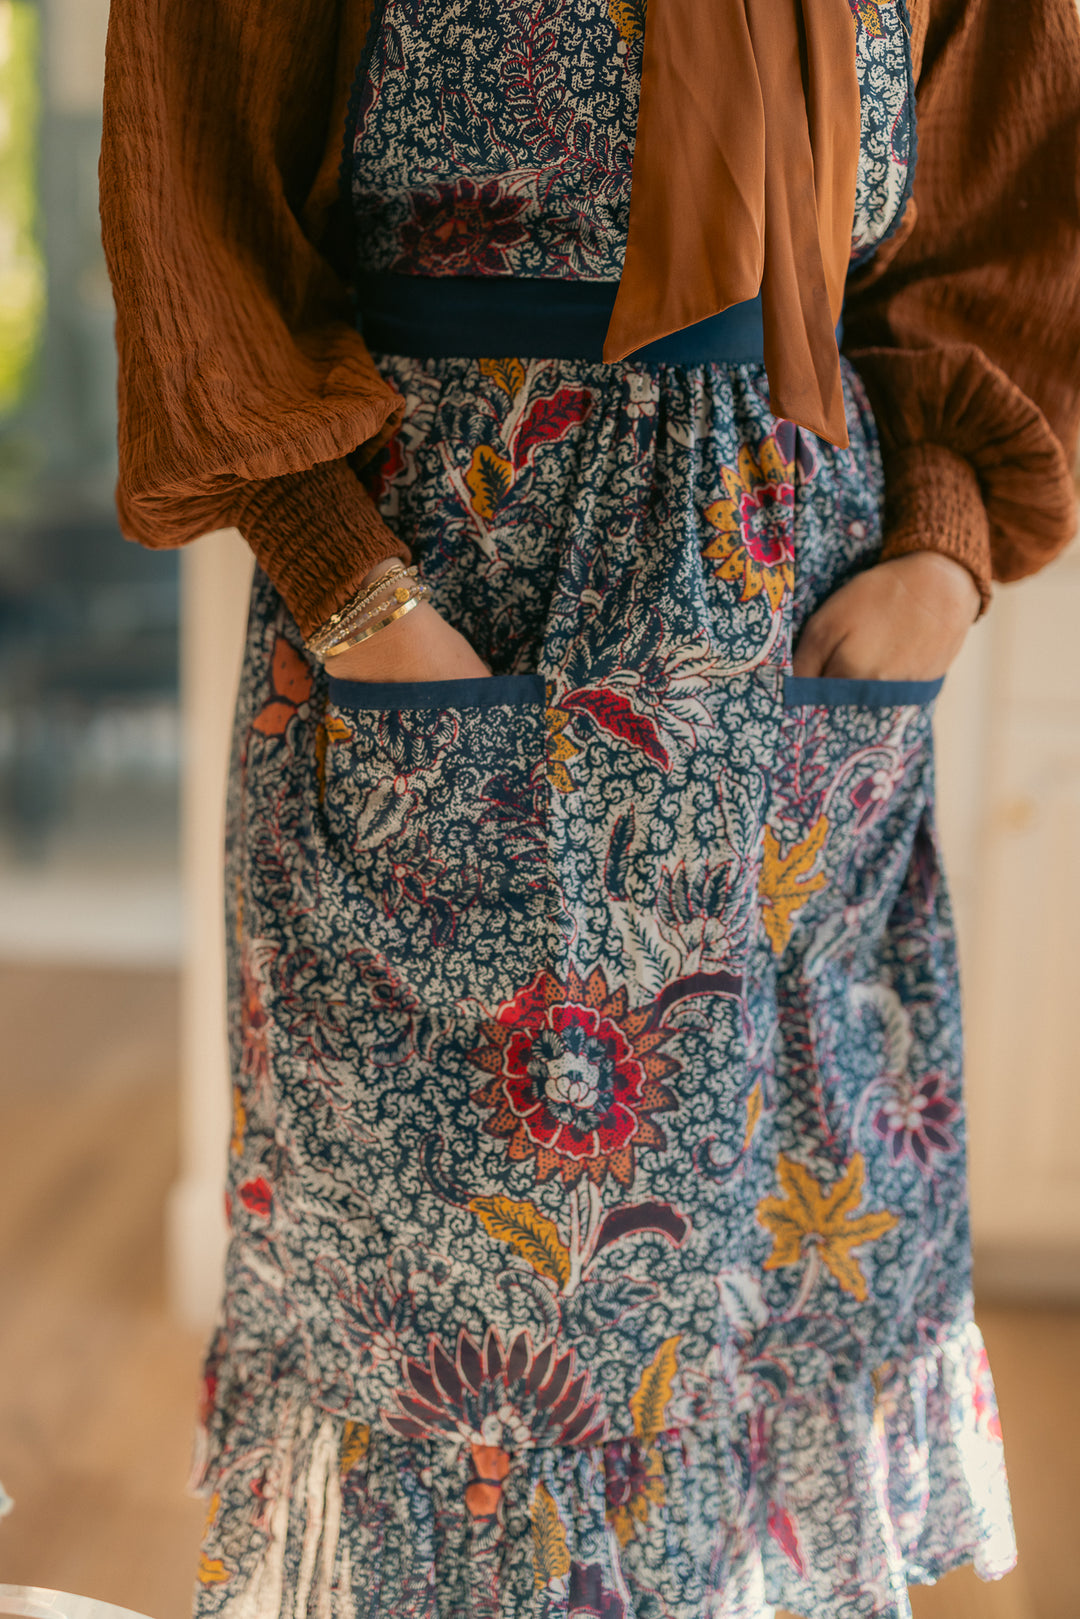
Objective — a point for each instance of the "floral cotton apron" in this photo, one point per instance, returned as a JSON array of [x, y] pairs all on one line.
[[597, 1187]]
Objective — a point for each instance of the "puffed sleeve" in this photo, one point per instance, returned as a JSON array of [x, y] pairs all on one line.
[[965, 328], [243, 382]]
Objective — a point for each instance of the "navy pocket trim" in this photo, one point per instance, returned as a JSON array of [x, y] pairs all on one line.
[[480, 691], [802, 692]]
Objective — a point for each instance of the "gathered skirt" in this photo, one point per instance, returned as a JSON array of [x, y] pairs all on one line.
[[599, 1238]]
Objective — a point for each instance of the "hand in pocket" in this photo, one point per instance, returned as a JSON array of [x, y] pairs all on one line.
[[905, 619], [421, 645]]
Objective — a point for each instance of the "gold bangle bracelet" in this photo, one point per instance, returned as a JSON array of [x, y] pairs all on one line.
[[346, 615], [337, 621], [382, 611], [370, 608], [399, 612]]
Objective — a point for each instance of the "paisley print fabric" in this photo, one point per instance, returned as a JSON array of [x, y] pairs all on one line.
[[597, 1183], [518, 162], [887, 153]]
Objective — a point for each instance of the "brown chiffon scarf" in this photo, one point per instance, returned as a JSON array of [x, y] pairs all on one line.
[[744, 180]]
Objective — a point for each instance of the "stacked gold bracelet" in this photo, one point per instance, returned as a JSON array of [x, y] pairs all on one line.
[[395, 593]]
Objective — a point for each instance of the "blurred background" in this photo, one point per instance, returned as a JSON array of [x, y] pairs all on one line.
[[117, 668]]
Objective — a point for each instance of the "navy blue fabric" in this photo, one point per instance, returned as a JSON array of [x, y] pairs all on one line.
[[444, 317], [802, 692], [480, 691]]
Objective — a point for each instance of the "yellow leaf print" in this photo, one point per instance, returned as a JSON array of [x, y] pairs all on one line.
[[509, 374], [870, 16], [239, 1113], [355, 1438], [490, 478], [560, 749], [808, 1217], [753, 1114], [531, 1235], [551, 1555], [628, 17], [654, 1390], [212, 1571], [332, 731], [787, 883]]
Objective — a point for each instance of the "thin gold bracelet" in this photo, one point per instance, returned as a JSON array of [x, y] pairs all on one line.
[[340, 622], [383, 612], [370, 608], [399, 612]]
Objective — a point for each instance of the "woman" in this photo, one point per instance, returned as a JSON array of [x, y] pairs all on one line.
[[599, 1232]]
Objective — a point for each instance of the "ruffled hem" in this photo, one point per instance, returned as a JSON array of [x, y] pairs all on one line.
[[829, 1504]]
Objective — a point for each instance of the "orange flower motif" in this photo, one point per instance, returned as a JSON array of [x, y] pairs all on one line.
[[576, 1075], [752, 542]]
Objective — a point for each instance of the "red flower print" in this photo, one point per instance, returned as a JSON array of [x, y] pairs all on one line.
[[915, 1119], [387, 465], [753, 527], [575, 1077], [462, 229], [497, 1397], [257, 1196]]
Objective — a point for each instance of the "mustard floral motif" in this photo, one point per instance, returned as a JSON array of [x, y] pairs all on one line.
[[869, 14], [752, 543], [530, 1234], [649, 1400], [807, 1222], [551, 1555], [560, 749], [788, 881], [490, 478], [509, 374], [355, 1441], [629, 18]]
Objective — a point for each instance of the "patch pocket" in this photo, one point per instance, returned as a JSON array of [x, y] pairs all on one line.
[[800, 691], [436, 827]]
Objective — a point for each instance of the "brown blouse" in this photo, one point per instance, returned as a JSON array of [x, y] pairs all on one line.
[[244, 384]]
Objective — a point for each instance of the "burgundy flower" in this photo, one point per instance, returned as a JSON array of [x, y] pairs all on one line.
[[462, 229], [590, 1597], [915, 1120], [500, 1396], [575, 1076]]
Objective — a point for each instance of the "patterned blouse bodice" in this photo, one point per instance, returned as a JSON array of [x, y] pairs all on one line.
[[496, 137]]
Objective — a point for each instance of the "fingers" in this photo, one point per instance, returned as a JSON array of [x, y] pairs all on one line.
[[817, 644]]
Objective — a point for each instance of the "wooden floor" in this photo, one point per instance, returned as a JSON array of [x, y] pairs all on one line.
[[97, 1387]]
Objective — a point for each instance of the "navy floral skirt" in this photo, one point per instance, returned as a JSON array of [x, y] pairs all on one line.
[[597, 1186]]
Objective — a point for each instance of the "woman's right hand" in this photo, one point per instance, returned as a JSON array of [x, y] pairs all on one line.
[[420, 645]]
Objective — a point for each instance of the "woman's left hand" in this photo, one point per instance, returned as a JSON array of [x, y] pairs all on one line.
[[904, 619]]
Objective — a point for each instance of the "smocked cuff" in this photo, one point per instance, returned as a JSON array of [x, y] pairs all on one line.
[[933, 502], [315, 534]]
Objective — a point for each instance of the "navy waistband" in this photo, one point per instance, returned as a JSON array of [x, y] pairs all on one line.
[[478, 317]]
